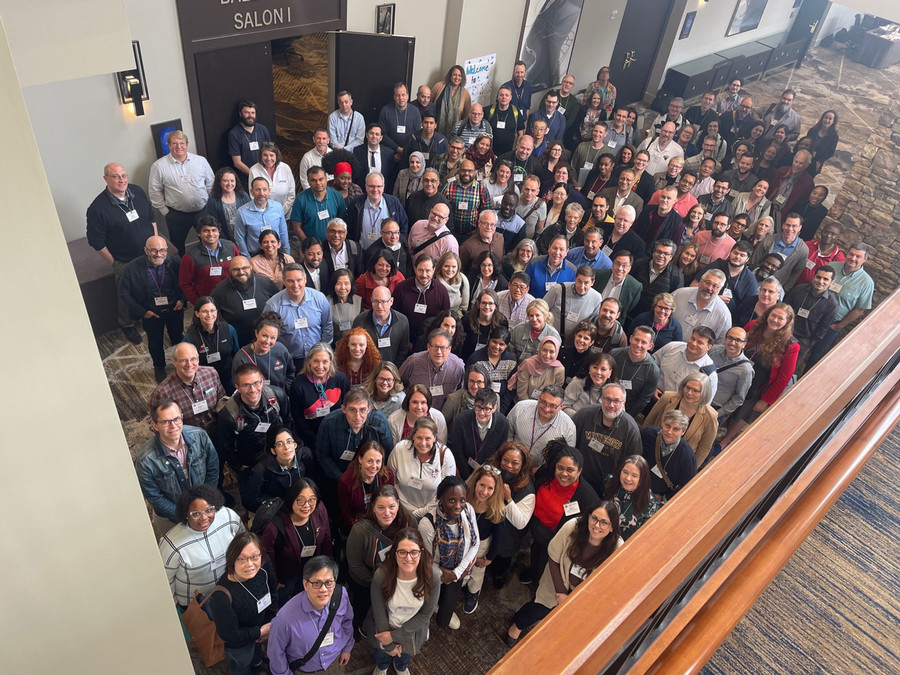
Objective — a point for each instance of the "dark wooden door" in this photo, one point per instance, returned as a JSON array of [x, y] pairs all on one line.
[[808, 17], [636, 46], [368, 66], [225, 77]]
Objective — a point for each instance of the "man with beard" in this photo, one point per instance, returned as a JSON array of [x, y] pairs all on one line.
[[590, 254], [598, 216], [448, 164], [707, 151], [813, 212], [420, 202], [714, 243], [305, 314], [535, 423], [789, 245], [739, 280], [245, 138], [737, 122], [241, 297], [637, 371], [432, 236], [657, 274], [741, 178], [622, 194], [661, 149], [392, 244], [421, 297], [700, 115], [702, 306], [671, 459], [522, 159], [206, 261], [717, 201], [730, 98], [311, 254], [734, 372], [814, 309], [520, 88], [257, 215], [150, 289], [605, 434], [506, 121], [782, 113], [467, 198], [610, 334], [388, 328], [375, 156], [510, 224], [821, 251], [768, 267], [470, 129]]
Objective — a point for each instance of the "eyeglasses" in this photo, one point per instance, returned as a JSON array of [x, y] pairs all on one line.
[[413, 554], [439, 348], [599, 523], [157, 251], [484, 408], [171, 422], [195, 515], [117, 176], [487, 304], [391, 233], [617, 401], [250, 385], [184, 362], [439, 218], [493, 469], [663, 308], [729, 338], [384, 380], [289, 443], [382, 302], [317, 585], [251, 558], [303, 501]]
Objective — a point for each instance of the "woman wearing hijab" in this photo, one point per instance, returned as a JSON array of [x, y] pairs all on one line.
[[538, 371], [410, 180]]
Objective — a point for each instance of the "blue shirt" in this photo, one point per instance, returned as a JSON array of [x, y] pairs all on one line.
[[249, 222], [521, 96], [856, 290], [314, 214], [295, 629], [540, 274], [556, 125], [314, 311], [371, 222], [578, 258], [780, 247]]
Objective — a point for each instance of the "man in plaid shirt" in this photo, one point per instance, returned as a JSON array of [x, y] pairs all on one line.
[[467, 199], [195, 388]]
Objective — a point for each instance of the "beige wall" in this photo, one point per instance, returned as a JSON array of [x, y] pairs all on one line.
[[83, 589]]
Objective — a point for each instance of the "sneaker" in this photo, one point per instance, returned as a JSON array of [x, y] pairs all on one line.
[[379, 671], [454, 622], [405, 671], [525, 577], [132, 335], [159, 374], [471, 602]]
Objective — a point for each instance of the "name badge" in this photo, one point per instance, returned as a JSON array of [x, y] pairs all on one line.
[[254, 145], [705, 259], [548, 285], [810, 265], [348, 455], [132, 215], [308, 552], [302, 322], [215, 271], [733, 192], [250, 304], [263, 602], [262, 427], [328, 640], [691, 320], [518, 178], [401, 128], [780, 200], [595, 445], [611, 145], [371, 236], [323, 411], [161, 301], [578, 571], [345, 325], [186, 178], [708, 216], [212, 357], [655, 471], [835, 287], [607, 249], [803, 313], [573, 316], [382, 554], [436, 389], [475, 465], [198, 407], [536, 394], [561, 109], [500, 124], [588, 165], [462, 206], [590, 195], [426, 155], [626, 384], [495, 386], [384, 342], [323, 214], [571, 508], [420, 308], [726, 293], [416, 483]]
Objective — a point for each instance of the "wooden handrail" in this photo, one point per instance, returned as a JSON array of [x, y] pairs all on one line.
[[602, 617]]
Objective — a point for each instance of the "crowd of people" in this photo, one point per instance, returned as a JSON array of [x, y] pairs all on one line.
[[474, 331]]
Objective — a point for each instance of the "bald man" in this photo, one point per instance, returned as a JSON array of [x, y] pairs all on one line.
[[661, 149], [197, 389], [467, 198], [150, 289]]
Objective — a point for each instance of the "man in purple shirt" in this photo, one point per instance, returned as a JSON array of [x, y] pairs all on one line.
[[436, 368], [297, 625]]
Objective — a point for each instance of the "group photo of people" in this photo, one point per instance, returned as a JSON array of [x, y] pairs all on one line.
[[340, 462]]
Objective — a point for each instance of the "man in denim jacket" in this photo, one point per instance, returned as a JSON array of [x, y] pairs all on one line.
[[176, 457]]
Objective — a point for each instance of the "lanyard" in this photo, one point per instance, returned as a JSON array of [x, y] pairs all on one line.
[[248, 590], [162, 278], [268, 356], [533, 423], [252, 294]]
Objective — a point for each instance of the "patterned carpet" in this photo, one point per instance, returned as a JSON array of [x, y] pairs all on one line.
[[835, 607]]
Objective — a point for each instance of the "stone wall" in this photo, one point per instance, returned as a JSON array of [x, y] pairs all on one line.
[[868, 206]]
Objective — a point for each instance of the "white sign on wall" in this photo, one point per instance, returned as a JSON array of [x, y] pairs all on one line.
[[480, 78]]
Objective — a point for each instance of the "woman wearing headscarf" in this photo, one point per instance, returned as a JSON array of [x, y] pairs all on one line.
[[538, 371], [410, 180]]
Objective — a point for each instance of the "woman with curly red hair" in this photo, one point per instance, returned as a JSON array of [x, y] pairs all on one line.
[[356, 355]]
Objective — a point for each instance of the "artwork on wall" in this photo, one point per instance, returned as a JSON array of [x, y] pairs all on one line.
[[687, 25], [747, 16], [160, 133], [548, 36], [384, 19]]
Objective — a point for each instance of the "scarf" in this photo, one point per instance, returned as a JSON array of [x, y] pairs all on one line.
[[534, 366], [480, 161], [451, 546], [448, 108]]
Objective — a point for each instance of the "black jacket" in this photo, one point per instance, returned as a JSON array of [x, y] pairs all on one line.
[[466, 445], [139, 291]]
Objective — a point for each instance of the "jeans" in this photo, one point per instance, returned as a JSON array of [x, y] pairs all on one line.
[[822, 347], [383, 660], [242, 658]]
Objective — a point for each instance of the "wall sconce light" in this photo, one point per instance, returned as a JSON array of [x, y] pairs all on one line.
[[133, 83]]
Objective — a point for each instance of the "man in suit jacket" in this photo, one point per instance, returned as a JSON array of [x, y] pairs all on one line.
[[790, 186], [340, 252], [618, 283], [392, 244], [375, 157], [368, 211], [617, 197], [388, 328], [668, 276]]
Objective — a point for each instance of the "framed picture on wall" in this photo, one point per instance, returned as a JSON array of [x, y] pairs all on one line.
[[548, 36], [747, 16], [688, 24], [160, 133], [384, 19]]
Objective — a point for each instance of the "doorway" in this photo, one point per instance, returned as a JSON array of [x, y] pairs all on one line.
[[636, 47]]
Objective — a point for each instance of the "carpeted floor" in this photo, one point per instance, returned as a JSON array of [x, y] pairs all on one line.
[[835, 607]]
